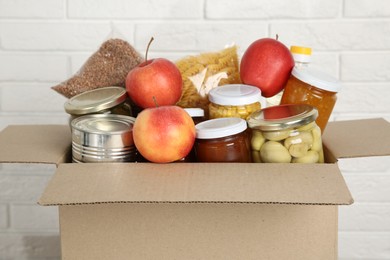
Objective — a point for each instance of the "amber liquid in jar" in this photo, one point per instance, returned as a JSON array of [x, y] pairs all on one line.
[[233, 148], [299, 92]]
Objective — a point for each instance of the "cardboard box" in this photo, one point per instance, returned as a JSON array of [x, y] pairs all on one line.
[[196, 210]]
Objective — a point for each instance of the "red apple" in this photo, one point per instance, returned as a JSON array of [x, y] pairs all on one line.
[[159, 78], [266, 64], [164, 134]]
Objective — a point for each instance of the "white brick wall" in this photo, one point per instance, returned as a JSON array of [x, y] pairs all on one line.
[[43, 42]]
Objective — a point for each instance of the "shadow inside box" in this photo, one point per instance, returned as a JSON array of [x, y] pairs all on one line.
[[41, 246]]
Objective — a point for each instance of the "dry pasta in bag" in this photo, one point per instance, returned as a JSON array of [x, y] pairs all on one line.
[[108, 66], [206, 71]]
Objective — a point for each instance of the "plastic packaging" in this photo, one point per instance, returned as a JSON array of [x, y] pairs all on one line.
[[203, 72]]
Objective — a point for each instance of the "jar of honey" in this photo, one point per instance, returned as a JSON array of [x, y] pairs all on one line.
[[286, 134], [312, 87], [223, 140], [234, 100]]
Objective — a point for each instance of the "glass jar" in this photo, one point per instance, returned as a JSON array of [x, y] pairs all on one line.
[[223, 140], [286, 134], [302, 59], [107, 100], [234, 100], [315, 88]]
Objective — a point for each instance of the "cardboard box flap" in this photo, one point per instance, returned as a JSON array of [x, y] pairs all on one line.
[[196, 183], [35, 144], [358, 138]]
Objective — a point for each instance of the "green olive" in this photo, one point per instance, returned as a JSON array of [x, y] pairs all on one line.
[[257, 140], [276, 135], [274, 152], [303, 137], [310, 157]]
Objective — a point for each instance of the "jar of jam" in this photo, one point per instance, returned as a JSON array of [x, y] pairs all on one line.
[[223, 140], [312, 87], [107, 100], [286, 134], [234, 100]]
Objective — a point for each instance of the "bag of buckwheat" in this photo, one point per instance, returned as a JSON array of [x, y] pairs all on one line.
[[108, 66]]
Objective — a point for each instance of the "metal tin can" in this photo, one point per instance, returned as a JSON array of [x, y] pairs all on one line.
[[107, 100], [103, 138], [286, 134]]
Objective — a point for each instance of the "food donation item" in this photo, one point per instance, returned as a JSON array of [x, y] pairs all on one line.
[[222, 140], [108, 66], [312, 87], [234, 100], [108, 100], [302, 58], [266, 64], [286, 134], [154, 82], [205, 71], [103, 138], [164, 134]]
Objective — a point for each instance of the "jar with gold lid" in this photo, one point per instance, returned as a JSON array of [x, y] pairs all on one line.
[[315, 88], [222, 140], [286, 134], [234, 100]]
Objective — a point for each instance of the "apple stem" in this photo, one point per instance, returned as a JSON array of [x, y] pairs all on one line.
[[147, 49], [155, 101], [277, 36]]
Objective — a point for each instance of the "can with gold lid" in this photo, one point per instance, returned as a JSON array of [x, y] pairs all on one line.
[[107, 100], [286, 134]]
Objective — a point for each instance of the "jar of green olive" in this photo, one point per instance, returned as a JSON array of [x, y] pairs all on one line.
[[286, 134]]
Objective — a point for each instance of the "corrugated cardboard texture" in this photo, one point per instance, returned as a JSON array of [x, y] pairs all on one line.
[[358, 138], [198, 231], [197, 182], [35, 144]]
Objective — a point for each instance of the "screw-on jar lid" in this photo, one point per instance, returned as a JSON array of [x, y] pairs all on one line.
[[301, 53], [317, 79], [94, 101], [195, 112], [235, 95], [282, 117], [220, 127]]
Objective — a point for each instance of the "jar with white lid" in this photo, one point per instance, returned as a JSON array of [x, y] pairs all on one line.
[[222, 140], [312, 87], [234, 100], [286, 134]]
